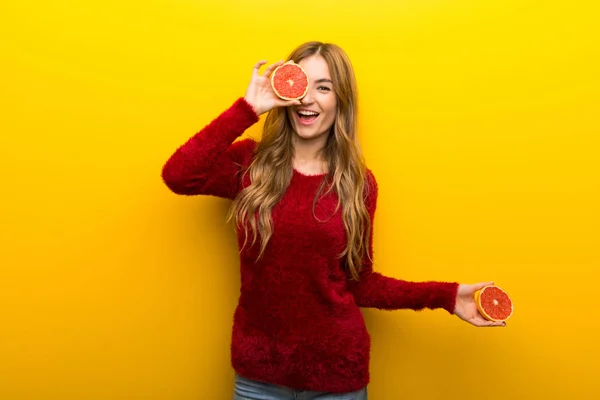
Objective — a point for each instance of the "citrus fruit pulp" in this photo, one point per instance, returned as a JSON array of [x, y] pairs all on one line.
[[494, 303], [289, 81]]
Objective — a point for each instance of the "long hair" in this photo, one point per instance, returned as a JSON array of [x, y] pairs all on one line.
[[271, 169]]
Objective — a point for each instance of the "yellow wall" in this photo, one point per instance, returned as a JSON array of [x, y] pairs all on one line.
[[476, 116]]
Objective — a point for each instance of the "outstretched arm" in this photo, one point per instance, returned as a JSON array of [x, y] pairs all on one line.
[[377, 291]]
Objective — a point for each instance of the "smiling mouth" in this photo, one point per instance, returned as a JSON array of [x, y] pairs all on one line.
[[307, 117]]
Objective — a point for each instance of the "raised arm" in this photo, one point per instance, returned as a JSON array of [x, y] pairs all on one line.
[[209, 162]]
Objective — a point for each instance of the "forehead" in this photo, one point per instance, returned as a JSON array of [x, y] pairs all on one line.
[[316, 67]]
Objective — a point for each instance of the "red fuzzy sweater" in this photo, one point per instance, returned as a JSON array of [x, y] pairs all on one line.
[[298, 321]]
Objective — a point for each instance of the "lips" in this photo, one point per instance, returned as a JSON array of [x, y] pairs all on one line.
[[307, 117]]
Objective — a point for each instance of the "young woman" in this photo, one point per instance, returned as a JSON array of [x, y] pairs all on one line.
[[303, 202]]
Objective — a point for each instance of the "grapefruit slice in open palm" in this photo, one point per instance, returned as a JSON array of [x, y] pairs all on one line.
[[494, 303], [289, 81]]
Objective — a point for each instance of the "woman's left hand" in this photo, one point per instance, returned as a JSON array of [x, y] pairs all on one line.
[[466, 308]]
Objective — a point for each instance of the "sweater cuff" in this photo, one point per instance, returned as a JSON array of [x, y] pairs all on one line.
[[228, 126], [246, 110], [447, 296]]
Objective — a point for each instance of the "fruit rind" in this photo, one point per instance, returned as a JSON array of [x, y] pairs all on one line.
[[477, 296], [274, 73]]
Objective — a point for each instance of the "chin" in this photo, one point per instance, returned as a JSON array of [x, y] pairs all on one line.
[[310, 134]]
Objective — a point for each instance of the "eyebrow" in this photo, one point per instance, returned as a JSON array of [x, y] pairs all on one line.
[[324, 80]]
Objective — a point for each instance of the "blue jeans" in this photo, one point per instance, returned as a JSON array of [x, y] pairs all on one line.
[[247, 389]]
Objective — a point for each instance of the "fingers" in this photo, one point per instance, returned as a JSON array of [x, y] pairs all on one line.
[[481, 322], [257, 66], [271, 67], [496, 323], [481, 285], [290, 103]]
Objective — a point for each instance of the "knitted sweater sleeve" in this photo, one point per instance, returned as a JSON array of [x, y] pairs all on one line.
[[209, 162], [377, 291]]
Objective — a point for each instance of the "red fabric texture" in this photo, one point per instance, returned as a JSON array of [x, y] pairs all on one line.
[[298, 321]]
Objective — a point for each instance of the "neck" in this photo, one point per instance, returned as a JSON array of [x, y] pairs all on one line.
[[307, 154]]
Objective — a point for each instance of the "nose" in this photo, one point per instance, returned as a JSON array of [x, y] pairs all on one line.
[[308, 99]]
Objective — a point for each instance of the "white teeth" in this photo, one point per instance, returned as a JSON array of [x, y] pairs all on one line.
[[307, 113]]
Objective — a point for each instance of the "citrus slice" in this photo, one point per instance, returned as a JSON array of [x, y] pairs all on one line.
[[289, 81], [494, 303]]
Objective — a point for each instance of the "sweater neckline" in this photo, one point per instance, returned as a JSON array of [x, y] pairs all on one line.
[[305, 175]]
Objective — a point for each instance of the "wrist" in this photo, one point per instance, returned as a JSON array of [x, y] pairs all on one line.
[[252, 105]]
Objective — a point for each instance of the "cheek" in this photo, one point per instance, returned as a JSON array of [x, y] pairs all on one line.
[[331, 109], [332, 105], [330, 119]]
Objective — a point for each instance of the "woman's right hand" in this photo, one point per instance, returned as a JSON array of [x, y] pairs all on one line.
[[260, 94]]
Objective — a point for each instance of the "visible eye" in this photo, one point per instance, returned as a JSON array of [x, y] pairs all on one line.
[[323, 88]]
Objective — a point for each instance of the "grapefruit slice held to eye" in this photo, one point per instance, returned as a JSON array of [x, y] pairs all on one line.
[[289, 81], [494, 303]]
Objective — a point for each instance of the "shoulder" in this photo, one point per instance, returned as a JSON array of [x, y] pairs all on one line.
[[371, 189], [370, 180]]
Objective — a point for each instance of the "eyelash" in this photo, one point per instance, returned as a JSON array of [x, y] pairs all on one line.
[[323, 87]]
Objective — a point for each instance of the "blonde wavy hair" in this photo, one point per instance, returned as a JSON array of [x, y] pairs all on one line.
[[271, 169]]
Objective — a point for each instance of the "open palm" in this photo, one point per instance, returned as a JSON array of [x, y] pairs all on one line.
[[466, 308]]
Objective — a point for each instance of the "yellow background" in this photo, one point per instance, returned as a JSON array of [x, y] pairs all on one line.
[[479, 118]]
